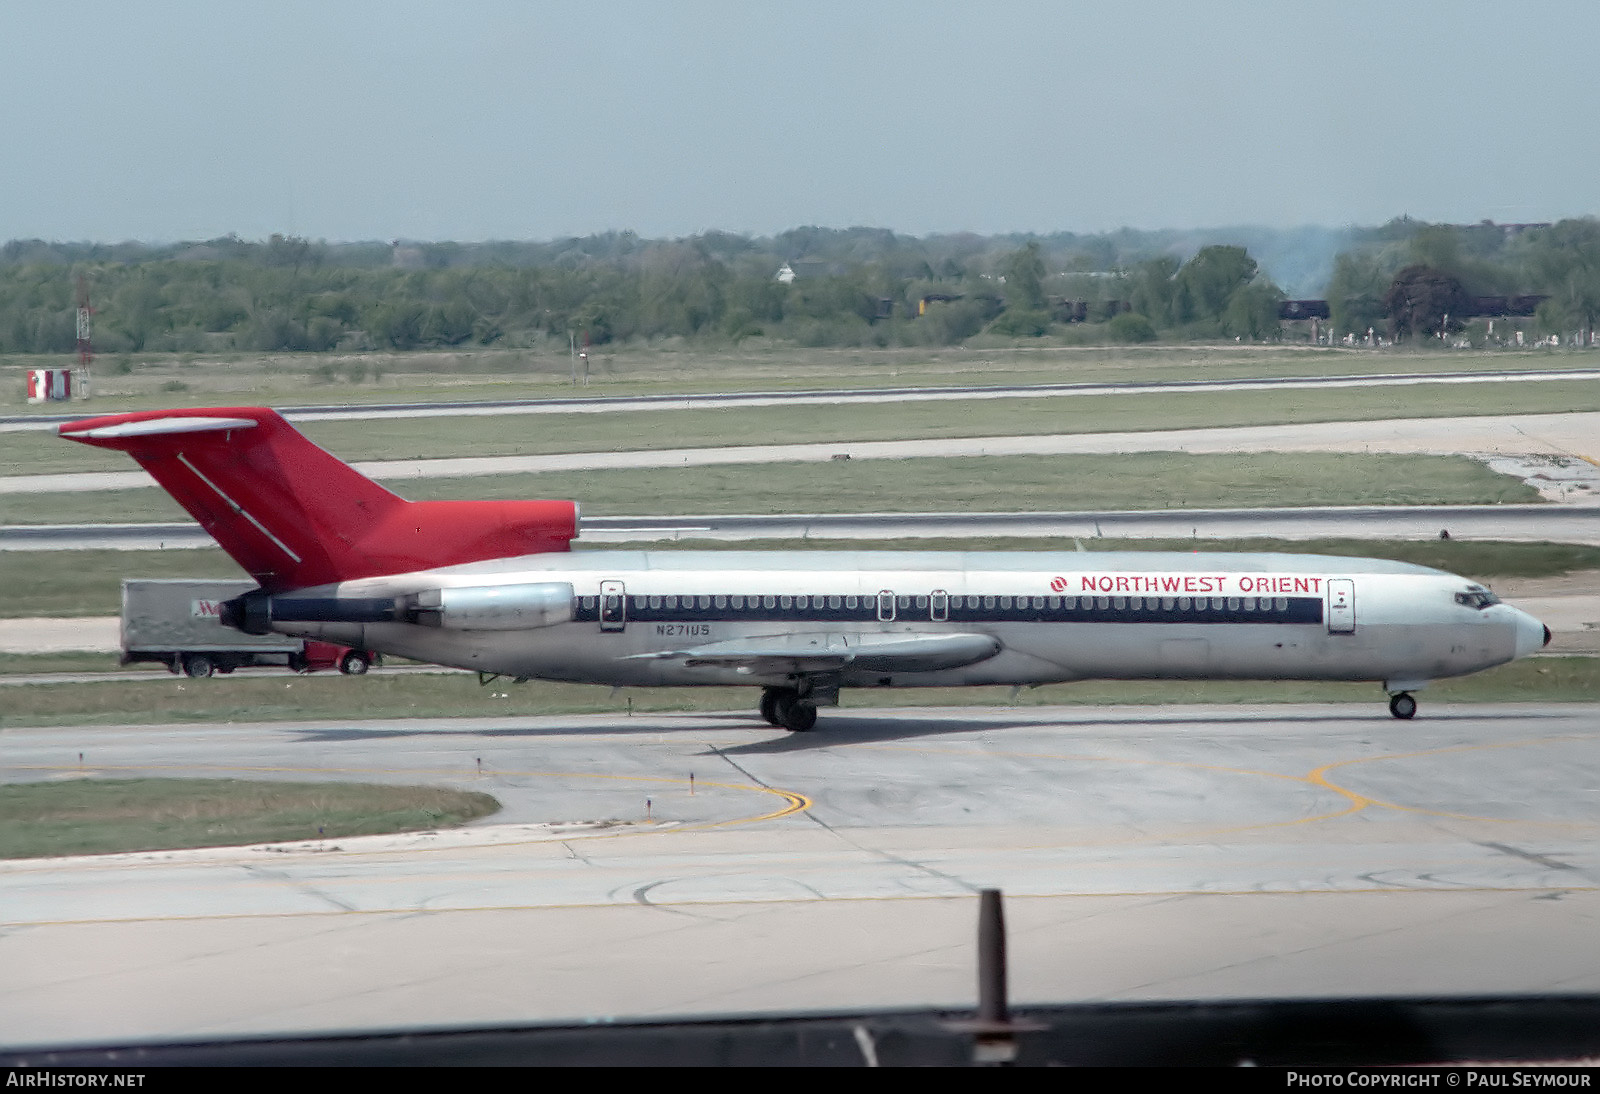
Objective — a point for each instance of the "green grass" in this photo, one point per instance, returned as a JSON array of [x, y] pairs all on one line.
[[413, 438], [339, 700], [101, 816], [34, 452], [671, 366], [1138, 480], [69, 583], [28, 664], [64, 583]]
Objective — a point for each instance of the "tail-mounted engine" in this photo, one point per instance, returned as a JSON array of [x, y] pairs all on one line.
[[471, 608]]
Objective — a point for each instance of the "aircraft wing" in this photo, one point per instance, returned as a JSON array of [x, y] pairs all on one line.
[[821, 652]]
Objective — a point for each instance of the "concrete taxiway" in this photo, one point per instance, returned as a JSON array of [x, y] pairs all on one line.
[[1178, 852]]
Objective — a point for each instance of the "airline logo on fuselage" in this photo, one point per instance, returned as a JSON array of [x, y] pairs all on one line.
[[1181, 584]]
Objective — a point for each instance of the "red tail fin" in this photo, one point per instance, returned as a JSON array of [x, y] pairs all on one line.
[[294, 516]]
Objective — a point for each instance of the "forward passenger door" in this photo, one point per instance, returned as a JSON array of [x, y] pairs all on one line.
[[613, 606]]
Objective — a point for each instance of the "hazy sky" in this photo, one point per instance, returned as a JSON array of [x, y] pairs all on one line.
[[478, 120]]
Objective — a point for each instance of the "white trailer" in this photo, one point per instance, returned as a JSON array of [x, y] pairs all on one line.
[[177, 622]]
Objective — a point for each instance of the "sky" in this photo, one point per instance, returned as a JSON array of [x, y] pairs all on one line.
[[482, 120]]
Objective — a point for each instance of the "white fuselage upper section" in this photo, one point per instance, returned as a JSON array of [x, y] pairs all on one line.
[[649, 618]]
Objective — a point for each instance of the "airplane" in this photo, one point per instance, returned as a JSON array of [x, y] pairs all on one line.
[[493, 586]]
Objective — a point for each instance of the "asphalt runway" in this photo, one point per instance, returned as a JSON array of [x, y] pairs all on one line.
[[1146, 853]]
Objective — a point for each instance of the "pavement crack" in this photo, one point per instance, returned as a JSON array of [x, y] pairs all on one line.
[[1528, 856], [272, 874], [885, 856]]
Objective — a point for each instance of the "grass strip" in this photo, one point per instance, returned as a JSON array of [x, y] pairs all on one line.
[[668, 367], [101, 816], [1004, 484], [1135, 480], [341, 700], [35, 452]]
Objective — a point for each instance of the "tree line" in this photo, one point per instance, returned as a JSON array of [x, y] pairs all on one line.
[[810, 286]]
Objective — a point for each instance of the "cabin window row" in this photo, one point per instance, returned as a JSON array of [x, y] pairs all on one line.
[[940, 606]]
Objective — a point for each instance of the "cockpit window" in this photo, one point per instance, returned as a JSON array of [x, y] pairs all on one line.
[[1477, 597]]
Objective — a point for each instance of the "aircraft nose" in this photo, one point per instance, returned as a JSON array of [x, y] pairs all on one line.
[[1532, 635]]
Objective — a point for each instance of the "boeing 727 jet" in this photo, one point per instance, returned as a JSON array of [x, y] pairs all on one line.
[[492, 586]]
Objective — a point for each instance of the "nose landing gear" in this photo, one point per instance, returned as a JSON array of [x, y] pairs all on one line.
[[1402, 705]]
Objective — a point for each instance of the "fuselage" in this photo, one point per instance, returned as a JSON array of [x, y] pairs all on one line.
[[678, 618]]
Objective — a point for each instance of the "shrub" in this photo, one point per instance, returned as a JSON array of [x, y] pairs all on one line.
[[1130, 326]]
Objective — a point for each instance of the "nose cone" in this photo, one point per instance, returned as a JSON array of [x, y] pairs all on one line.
[[1532, 635]]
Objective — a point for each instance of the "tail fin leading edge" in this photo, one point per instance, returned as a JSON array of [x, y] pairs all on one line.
[[295, 516]]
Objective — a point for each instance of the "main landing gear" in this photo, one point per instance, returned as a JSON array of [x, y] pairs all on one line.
[[784, 707], [1402, 705]]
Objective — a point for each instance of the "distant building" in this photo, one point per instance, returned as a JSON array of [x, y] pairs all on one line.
[[1304, 309], [1518, 229], [1506, 307], [799, 269], [936, 298], [1069, 311]]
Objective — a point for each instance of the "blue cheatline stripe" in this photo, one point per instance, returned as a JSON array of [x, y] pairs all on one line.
[[724, 608]]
